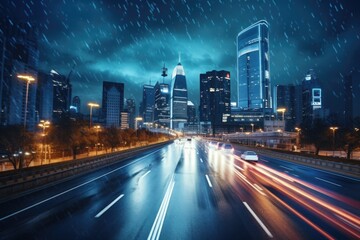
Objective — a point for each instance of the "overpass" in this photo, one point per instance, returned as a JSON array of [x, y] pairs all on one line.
[[275, 139]]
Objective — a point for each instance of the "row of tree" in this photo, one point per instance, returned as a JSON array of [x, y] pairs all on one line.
[[68, 136], [320, 135]]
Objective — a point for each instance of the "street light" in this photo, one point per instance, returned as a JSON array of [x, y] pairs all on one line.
[[333, 130], [91, 105], [97, 128], [28, 80], [44, 124], [136, 122], [252, 127], [282, 110], [298, 136]]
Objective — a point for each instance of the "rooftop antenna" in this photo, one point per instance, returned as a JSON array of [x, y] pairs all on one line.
[[164, 72]]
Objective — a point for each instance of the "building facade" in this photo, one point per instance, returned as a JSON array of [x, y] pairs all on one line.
[[162, 104], [61, 93], [215, 106], [44, 96], [178, 98], [253, 67], [285, 97], [148, 103], [19, 54], [348, 101], [112, 103], [131, 109], [311, 98]]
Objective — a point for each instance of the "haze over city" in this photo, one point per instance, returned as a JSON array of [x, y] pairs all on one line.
[[129, 41]]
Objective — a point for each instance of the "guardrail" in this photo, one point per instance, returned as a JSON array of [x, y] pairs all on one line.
[[352, 169], [15, 182]]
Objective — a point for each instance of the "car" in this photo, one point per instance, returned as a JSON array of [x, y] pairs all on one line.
[[249, 156], [219, 145], [212, 144], [227, 147]]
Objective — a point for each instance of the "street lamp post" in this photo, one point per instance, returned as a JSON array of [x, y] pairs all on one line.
[[298, 137], [136, 122], [252, 127], [28, 80], [44, 124], [333, 131], [97, 128], [91, 105]]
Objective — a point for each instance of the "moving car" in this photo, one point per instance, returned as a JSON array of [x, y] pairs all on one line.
[[219, 145], [249, 156], [212, 144], [227, 147]]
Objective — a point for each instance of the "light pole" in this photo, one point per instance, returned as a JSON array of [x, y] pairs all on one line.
[[28, 80], [44, 124], [333, 130], [97, 128], [136, 122], [91, 105], [252, 127], [298, 136]]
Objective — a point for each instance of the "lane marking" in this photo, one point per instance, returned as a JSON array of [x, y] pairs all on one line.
[[287, 168], [160, 217], [208, 180], [258, 220], [109, 206], [73, 188], [328, 182], [320, 170], [144, 175]]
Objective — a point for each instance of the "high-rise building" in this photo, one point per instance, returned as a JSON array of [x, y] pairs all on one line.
[[191, 112], [44, 96], [19, 56], [215, 104], [148, 103], [348, 101], [112, 103], [62, 94], [124, 120], [285, 97], [131, 109], [311, 98], [76, 102], [178, 98], [253, 67], [162, 104]]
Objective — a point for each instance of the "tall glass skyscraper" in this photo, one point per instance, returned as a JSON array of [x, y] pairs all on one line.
[[178, 98], [253, 67]]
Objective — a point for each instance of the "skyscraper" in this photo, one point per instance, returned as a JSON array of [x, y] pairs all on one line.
[[62, 94], [148, 103], [44, 96], [162, 104], [311, 97], [76, 103], [112, 103], [215, 97], [285, 97], [131, 109], [19, 55], [178, 98], [253, 67]]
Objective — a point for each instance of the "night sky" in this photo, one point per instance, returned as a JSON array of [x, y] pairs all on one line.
[[129, 41]]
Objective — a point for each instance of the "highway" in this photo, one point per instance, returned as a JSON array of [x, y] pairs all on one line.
[[186, 190]]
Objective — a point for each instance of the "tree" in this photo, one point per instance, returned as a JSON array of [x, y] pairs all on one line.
[[350, 140], [70, 134], [316, 134], [16, 143], [112, 138]]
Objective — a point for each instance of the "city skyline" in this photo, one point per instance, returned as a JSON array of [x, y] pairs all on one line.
[[130, 42]]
